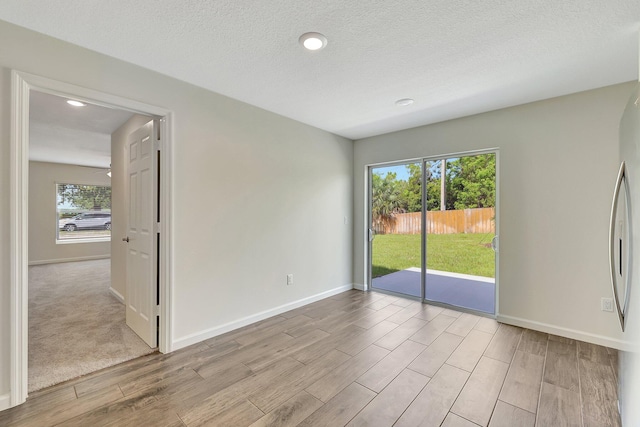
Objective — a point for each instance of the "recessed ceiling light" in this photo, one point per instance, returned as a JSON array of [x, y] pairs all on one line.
[[75, 103], [404, 102], [313, 41]]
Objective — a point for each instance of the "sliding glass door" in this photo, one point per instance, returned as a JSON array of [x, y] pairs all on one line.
[[395, 228], [443, 253], [460, 230]]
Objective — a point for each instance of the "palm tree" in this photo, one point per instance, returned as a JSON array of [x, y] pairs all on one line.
[[386, 200]]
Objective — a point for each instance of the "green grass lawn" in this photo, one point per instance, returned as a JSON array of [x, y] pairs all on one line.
[[457, 253]]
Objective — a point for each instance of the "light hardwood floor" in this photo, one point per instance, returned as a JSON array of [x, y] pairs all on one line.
[[357, 359]]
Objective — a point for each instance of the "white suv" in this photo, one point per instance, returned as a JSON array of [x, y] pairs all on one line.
[[88, 220]]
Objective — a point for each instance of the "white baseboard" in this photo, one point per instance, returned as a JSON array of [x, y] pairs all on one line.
[[359, 287], [56, 261], [228, 327], [117, 294], [5, 401], [564, 332]]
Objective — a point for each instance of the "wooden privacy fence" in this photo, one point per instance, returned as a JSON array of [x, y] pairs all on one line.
[[479, 220]]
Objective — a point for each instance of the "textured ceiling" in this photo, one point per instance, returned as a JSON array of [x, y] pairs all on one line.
[[60, 133], [454, 57]]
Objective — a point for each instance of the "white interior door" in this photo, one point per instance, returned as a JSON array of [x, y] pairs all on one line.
[[141, 297]]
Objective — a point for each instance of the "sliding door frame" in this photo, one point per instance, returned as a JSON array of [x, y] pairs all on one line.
[[368, 199], [496, 152], [423, 248]]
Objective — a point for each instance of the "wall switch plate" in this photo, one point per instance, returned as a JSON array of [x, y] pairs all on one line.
[[606, 304], [289, 279]]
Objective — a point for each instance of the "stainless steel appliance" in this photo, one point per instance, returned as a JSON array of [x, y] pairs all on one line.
[[624, 257]]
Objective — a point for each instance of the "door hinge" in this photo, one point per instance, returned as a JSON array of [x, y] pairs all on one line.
[[156, 228], [156, 310], [157, 145]]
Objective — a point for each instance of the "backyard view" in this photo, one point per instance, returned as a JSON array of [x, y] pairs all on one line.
[[457, 253], [460, 226], [469, 184]]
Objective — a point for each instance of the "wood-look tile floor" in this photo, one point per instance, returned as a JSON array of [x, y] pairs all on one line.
[[357, 359]]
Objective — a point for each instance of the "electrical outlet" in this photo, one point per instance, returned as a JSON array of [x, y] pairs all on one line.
[[289, 279], [606, 304]]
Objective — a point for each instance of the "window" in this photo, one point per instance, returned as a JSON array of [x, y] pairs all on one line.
[[83, 212]]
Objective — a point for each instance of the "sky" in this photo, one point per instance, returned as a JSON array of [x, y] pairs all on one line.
[[401, 171]]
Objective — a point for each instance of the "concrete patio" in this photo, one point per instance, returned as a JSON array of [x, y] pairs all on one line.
[[461, 290]]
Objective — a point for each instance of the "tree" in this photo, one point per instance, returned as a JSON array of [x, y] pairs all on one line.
[[434, 178], [473, 181], [469, 183], [413, 189], [387, 198], [90, 197], [412, 192]]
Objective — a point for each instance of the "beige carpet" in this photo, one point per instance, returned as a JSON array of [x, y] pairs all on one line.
[[76, 326]]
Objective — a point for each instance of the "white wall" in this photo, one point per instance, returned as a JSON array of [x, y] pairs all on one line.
[[558, 163], [256, 195], [43, 178], [119, 204]]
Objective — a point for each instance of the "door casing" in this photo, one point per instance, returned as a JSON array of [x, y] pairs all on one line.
[[368, 218], [21, 85]]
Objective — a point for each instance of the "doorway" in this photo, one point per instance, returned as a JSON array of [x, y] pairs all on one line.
[[433, 230], [22, 85], [77, 321]]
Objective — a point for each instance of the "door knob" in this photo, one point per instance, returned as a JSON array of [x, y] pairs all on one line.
[[125, 239]]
